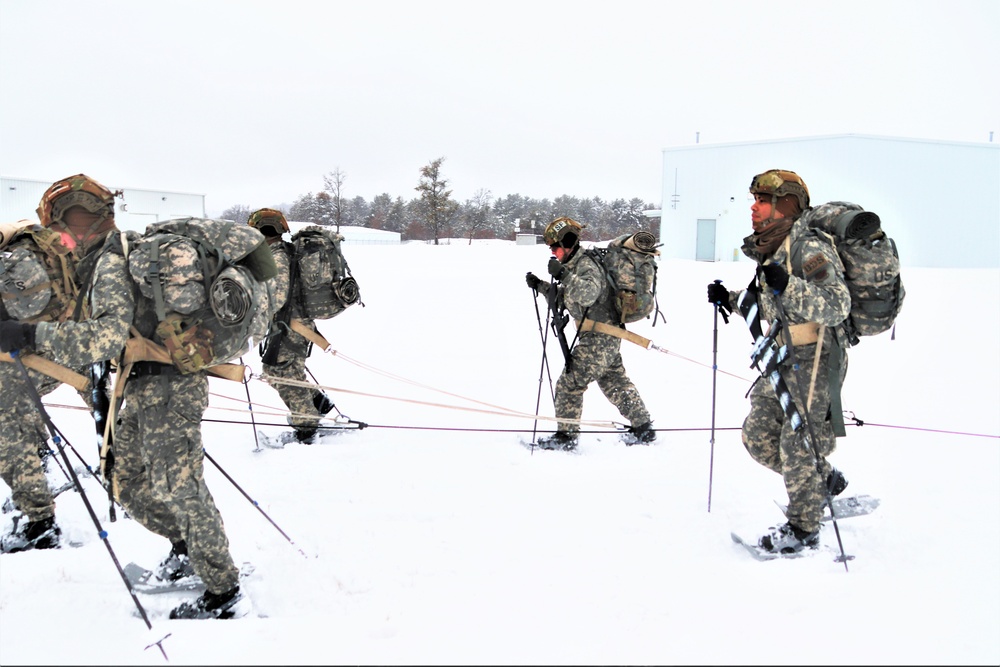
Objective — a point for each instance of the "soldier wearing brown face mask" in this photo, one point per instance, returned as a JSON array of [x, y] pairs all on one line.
[[812, 295], [44, 269]]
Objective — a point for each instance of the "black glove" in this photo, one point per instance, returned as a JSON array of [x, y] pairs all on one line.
[[532, 280], [16, 335], [556, 268], [776, 276], [719, 295]]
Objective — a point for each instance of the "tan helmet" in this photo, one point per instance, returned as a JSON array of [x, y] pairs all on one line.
[[268, 218], [781, 182], [78, 190], [563, 232]]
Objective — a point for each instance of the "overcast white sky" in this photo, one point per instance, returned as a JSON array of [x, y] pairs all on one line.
[[252, 102]]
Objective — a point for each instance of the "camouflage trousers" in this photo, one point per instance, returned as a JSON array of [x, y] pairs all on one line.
[[159, 468], [772, 442], [22, 435], [291, 365], [597, 358]]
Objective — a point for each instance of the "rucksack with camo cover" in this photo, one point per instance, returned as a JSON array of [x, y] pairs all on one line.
[[630, 264], [324, 287], [871, 265], [207, 281], [38, 280]]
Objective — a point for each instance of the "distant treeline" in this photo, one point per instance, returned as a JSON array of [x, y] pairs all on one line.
[[433, 214]]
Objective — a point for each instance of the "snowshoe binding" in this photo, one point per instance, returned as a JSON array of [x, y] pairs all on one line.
[[41, 534], [560, 441], [643, 434], [788, 539], [230, 604]]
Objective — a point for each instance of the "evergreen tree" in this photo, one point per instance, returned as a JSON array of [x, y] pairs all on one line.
[[436, 205]]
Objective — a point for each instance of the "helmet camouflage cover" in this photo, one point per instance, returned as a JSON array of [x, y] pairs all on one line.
[[781, 182], [563, 231], [268, 217], [78, 190]]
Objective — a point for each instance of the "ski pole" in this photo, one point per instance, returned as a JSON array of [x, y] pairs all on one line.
[[341, 418], [793, 358], [715, 367], [58, 441], [543, 333], [253, 420], [252, 501]]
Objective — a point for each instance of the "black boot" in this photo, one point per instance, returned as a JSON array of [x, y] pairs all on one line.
[[231, 604], [305, 434], [559, 440], [788, 539], [41, 534], [643, 434], [835, 482], [176, 565], [323, 402]]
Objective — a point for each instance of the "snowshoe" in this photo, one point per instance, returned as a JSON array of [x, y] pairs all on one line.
[[788, 539], [231, 604], [306, 434], [176, 566], [41, 534], [560, 440], [643, 434]]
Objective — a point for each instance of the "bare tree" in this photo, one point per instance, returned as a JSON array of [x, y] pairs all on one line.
[[437, 206], [477, 213], [238, 213], [333, 183]]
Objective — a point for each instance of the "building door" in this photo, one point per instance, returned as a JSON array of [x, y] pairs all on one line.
[[705, 242]]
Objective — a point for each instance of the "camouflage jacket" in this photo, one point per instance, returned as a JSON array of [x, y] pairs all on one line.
[[281, 251], [816, 291], [587, 292], [281, 286], [111, 297]]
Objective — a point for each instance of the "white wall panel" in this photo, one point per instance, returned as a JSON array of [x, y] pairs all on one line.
[[939, 200]]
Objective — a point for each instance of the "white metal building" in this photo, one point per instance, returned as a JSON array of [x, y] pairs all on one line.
[[939, 200], [136, 208]]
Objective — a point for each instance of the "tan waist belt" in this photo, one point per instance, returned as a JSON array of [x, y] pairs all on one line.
[[617, 332], [143, 349], [802, 334]]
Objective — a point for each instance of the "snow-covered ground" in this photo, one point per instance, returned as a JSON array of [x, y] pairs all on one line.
[[433, 536]]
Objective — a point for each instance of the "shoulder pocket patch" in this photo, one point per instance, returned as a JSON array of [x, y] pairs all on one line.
[[816, 267]]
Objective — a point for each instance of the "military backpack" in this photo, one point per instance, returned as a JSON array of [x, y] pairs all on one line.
[[207, 281], [629, 262], [37, 275], [871, 265], [325, 286]]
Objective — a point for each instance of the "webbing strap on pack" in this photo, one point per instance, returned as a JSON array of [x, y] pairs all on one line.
[[313, 336], [154, 279]]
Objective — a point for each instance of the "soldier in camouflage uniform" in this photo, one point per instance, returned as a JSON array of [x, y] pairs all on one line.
[[159, 456], [285, 352], [76, 218], [816, 302], [586, 292]]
